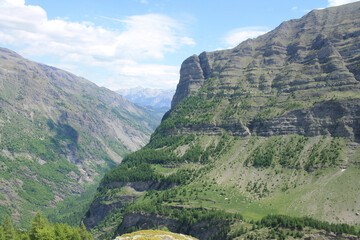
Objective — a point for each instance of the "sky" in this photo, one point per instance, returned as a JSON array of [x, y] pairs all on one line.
[[128, 43]]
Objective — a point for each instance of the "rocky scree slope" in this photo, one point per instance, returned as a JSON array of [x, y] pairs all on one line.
[[268, 127], [59, 134]]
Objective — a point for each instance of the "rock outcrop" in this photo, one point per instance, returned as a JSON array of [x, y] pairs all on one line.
[[103, 206], [335, 118]]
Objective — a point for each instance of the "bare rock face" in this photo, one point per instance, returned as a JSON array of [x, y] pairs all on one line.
[[100, 209], [340, 119], [192, 78]]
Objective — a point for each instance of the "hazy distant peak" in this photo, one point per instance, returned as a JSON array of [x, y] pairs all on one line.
[[150, 97]]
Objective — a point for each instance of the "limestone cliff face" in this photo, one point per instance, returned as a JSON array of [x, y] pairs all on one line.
[[192, 78], [305, 61], [335, 118], [340, 119]]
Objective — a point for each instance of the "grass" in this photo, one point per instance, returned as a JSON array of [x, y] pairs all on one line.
[[163, 170], [330, 196], [222, 198], [231, 179]]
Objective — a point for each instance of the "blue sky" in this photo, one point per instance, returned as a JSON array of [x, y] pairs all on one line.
[[128, 43]]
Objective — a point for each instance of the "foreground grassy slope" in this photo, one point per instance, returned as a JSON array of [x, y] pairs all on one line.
[[283, 174], [301, 176]]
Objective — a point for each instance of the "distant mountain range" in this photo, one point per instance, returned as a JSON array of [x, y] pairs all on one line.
[[59, 134], [158, 99]]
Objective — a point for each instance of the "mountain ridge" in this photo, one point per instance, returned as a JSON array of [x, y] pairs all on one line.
[[278, 56], [201, 65], [59, 134], [149, 97]]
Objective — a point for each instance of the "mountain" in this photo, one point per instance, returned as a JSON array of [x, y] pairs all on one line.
[[59, 134], [158, 99], [262, 141]]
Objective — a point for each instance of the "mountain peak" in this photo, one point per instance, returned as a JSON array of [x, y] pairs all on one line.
[[149, 97]]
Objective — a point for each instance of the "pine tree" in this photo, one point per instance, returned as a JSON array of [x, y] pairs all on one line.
[[84, 233], [37, 225], [25, 236], [76, 235], [60, 232], [9, 230], [2, 235], [41, 229]]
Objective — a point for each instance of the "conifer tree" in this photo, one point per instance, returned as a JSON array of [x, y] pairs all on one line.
[[41, 229], [37, 226], [9, 230], [60, 231], [76, 235], [84, 233], [25, 236], [2, 235]]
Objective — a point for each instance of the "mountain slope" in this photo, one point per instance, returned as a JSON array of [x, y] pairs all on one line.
[[268, 127], [59, 134]]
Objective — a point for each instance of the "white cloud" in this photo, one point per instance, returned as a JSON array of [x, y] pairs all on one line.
[[145, 37], [340, 2], [150, 36], [129, 75], [236, 36]]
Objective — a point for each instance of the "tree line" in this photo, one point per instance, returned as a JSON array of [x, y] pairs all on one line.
[[299, 223], [41, 229]]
